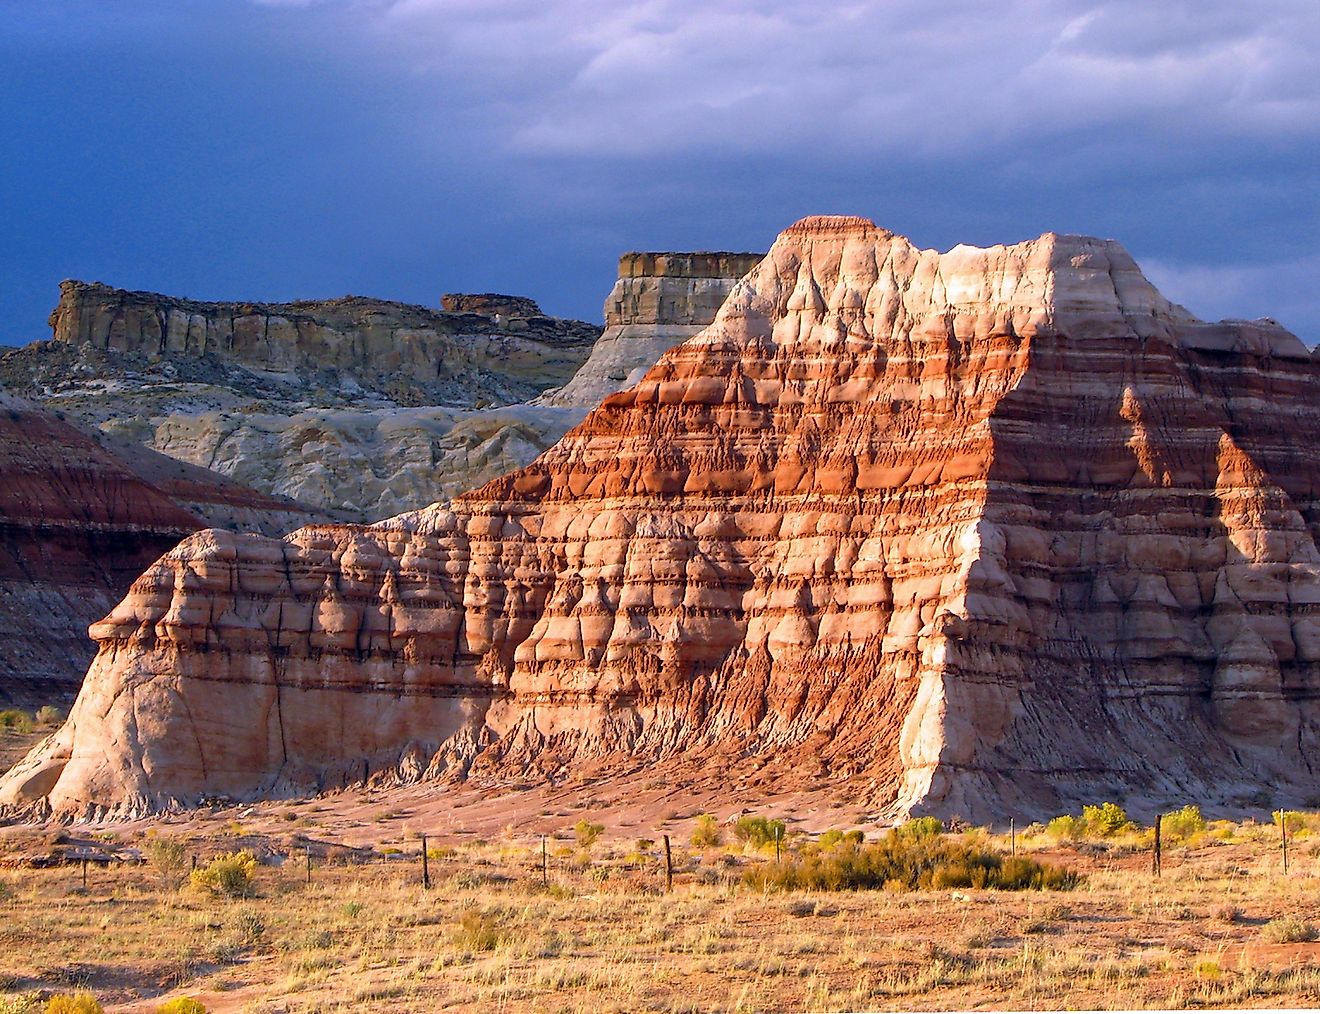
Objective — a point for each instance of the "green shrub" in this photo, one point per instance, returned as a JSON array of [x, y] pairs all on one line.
[[78, 1003], [1105, 820], [901, 862], [921, 827], [15, 720], [477, 931], [1182, 825], [167, 857], [834, 839], [1066, 828], [758, 831], [181, 1005], [706, 833], [1298, 820], [229, 875], [49, 715], [21, 1003], [587, 832]]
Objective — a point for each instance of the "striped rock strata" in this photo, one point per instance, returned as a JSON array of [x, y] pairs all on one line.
[[983, 532], [79, 520]]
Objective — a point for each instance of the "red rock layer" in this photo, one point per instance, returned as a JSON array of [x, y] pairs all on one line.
[[76, 527], [78, 523], [986, 531]]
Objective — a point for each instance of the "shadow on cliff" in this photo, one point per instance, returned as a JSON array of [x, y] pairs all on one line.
[[1156, 646]]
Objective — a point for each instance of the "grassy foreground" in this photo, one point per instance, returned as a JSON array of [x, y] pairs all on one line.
[[1222, 927]]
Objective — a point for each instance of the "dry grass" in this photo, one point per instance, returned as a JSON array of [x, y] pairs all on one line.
[[603, 936]]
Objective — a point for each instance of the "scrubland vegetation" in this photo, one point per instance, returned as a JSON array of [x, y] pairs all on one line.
[[915, 917]]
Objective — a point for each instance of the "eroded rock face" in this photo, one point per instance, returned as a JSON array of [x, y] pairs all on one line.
[[985, 532], [409, 354], [343, 449], [659, 300], [78, 523]]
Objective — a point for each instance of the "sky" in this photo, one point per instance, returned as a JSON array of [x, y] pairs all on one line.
[[282, 149]]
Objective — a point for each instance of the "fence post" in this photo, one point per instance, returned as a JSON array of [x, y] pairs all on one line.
[[309, 864], [1012, 837], [778, 834], [1155, 856], [426, 867], [669, 867], [545, 864], [1283, 837]]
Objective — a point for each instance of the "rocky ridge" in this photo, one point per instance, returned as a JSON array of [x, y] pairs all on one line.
[[311, 434], [979, 532], [410, 355]]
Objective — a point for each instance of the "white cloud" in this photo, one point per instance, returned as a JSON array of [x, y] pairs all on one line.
[[883, 76]]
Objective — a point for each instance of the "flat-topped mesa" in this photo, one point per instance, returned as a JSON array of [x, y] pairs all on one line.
[[409, 354], [659, 300], [490, 304], [984, 532]]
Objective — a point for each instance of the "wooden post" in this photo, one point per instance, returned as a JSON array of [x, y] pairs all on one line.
[[669, 867], [778, 833], [194, 863], [1012, 837], [1283, 837], [426, 867], [1155, 856], [309, 864], [545, 864]]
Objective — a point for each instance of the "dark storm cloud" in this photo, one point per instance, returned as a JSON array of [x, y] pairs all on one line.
[[404, 146]]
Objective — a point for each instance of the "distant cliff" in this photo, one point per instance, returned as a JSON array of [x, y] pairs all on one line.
[[411, 355], [659, 300]]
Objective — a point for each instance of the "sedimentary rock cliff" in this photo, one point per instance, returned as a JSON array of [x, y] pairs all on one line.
[[78, 523], [659, 300], [988, 531], [340, 448], [409, 354]]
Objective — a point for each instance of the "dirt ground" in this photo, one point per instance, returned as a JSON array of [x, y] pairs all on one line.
[[1223, 925]]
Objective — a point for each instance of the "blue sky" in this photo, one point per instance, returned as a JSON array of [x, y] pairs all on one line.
[[404, 148]]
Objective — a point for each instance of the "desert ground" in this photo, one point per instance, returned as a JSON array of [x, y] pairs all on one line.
[[595, 930]]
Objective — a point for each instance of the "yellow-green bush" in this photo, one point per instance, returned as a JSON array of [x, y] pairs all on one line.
[[834, 838], [77, 1003], [181, 1005], [706, 832], [15, 720], [1106, 820], [1182, 825], [229, 875], [1066, 828], [587, 832], [756, 831], [900, 862], [921, 827]]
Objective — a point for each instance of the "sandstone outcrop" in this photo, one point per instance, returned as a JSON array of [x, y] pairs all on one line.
[[658, 301], [342, 449], [490, 304], [78, 523], [411, 355], [981, 532]]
